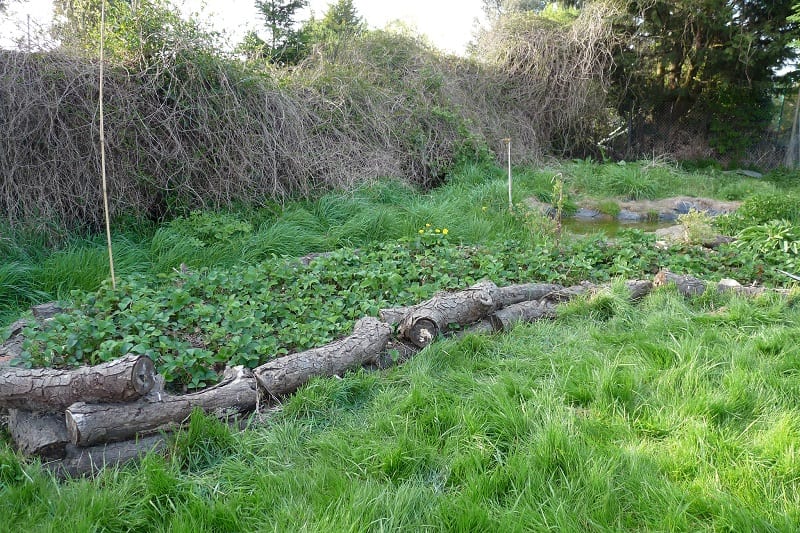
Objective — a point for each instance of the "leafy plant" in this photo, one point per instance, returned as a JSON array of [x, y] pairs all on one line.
[[697, 226], [776, 241], [763, 207]]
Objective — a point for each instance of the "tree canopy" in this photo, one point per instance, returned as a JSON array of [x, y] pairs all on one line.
[[284, 43], [712, 59]]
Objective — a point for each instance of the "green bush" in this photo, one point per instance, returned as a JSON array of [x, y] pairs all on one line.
[[764, 207]]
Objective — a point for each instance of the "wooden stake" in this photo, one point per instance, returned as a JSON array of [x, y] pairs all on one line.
[[507, 140], [103, 146]]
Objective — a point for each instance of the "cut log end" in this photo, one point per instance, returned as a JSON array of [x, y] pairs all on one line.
[[143, 376], [422, 332]]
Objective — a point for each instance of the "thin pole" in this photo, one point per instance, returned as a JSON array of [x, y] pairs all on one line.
[[103, 146], [507, 140]]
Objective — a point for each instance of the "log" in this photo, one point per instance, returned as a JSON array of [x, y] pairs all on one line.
[[46, 389], [41, 434], [79, 461], [506, 318], [286, 374], [526, 292], [394, 315], [731, 285], [434, 316], [639, 288], [505, 296], [568, 293], [43, 312], [93, 423], [686, 285]]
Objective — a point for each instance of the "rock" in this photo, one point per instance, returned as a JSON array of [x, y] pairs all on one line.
[[667, 217], [671, 234], [584, 213], [629, 216], [683, 207]]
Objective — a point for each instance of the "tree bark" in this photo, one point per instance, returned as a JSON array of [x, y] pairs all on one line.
[[80, 461], [41, 434], [394, 315], [506, 318], [44, 389], [514, 294], [686, 285], [285, 375], [434, 316], [89, 424]]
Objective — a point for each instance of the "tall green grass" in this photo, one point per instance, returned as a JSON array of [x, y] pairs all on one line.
[[473, 204], [668, 415]]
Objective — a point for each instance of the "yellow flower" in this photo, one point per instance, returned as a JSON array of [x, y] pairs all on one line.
[[421, 231], [438, 230], [427, 225], [483, 208], [444, 231]]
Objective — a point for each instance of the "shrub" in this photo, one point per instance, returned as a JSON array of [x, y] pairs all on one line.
[[764, 207]]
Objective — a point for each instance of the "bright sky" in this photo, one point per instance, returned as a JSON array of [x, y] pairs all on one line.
[[449, 24]]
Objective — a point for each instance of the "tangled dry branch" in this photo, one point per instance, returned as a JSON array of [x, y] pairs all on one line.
[[193, 129]]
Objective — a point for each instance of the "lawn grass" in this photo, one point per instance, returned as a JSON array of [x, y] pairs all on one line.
[[667, 415]]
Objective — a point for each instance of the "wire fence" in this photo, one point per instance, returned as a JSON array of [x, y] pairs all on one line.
[[691, 132]]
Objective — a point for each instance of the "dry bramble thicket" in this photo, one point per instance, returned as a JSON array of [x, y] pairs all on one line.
[[192, 128]]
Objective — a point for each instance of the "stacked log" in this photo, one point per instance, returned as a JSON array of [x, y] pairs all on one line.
[[77, 421]]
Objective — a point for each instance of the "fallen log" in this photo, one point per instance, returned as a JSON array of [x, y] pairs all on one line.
[[514, 294], [504, 296], [47, 389], [545, 307], [93, 423], [686, 285], [286, 374], [506, 318], [46, 311], [394, 315], [41, 434], [79, 461], [434, 316]]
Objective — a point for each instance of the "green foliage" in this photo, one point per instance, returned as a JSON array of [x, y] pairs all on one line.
[[706, 65], [777, 242], [697, 226], [208, 228], [192, 323], [340, 24], [284, 43], [136, 32], [771, 206], [630, 182]]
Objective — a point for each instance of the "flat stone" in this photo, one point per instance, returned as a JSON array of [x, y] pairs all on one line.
[[629, 216], [584, 213], [683, 208], [667, 217], [671, 233]]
